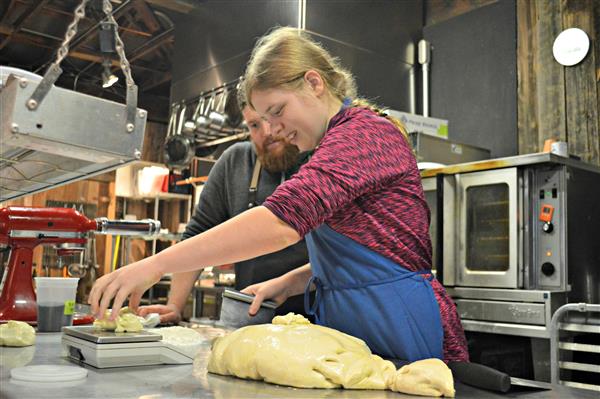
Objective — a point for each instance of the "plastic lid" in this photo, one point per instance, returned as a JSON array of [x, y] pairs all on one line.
[[48, 373], [58, 282]]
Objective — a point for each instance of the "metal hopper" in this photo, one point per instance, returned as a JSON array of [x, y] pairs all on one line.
[[69, 136]]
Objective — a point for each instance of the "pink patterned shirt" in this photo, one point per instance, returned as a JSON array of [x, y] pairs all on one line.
[[363, 181]]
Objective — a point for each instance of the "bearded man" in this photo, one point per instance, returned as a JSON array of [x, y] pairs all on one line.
[[243, 177]]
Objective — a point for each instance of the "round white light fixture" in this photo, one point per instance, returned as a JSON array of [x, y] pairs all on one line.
[[571, 46]]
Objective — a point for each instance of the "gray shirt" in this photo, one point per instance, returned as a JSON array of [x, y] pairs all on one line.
[[224, 196]]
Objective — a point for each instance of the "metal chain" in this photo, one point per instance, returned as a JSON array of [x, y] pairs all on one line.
[[54, 71], [71, 32], [120, 47]]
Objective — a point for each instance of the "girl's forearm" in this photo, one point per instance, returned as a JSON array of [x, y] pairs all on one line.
[[181, 286], [253, 233], [297, 280]]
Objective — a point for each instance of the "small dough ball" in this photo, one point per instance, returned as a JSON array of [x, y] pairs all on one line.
[[125, 310], [128, 322], [120, 325], [16, 357], [105, 323], [290, 318], [16, 333], [428, 377]]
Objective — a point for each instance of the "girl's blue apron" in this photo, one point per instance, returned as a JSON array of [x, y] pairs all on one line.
[[367, 295]]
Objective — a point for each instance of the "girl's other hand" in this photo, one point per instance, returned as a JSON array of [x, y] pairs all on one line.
[[275, 289]]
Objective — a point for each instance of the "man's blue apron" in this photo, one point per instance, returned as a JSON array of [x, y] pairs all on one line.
[[367, 295]]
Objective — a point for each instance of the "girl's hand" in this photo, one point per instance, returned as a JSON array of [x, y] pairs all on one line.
[[275, 289], [127, 282]]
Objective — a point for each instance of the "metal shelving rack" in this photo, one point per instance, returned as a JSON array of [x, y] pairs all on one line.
[[125, 189], [584, 325]]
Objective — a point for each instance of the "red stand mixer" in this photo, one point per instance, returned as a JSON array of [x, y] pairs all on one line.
[[24, 228]]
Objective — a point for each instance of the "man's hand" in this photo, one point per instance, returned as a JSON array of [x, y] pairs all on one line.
[[169, 313]]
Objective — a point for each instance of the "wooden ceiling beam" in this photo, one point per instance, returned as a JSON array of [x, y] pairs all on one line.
[[146, 14], [157, 46], [24, 38], [49, 10], [27, 39], [152, 44], [9, 10], [181, 6], [21, 19], [80, 55], [39, 41]]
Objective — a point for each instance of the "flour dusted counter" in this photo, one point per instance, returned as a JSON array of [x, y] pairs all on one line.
[[179, 381]]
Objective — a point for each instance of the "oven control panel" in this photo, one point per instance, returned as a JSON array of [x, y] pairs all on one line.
[[549, 255]]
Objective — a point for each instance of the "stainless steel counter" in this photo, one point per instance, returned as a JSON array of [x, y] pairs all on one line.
[[507, 162], [159, 382]]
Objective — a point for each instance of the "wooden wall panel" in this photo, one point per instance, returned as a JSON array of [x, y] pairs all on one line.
[[169, 214], [555, 101], [541, 91], [596, 43], [550, 90], [84, 191], [154, 139], [105, 259], [527, 110], [581, 85]]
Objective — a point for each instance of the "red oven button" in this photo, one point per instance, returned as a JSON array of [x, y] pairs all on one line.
[[546, 213]]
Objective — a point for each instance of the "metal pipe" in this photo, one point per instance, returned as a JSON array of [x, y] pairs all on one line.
[[302, 14], [412, 91], [154, 241], [424, 59], [128, 227], [41, 34]]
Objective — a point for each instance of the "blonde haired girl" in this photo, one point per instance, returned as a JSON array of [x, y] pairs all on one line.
[[358, 202]]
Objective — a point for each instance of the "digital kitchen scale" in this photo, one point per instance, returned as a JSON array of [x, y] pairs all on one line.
[[104, 349]]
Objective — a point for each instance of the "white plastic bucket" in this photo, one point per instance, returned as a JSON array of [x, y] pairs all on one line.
[[55, 302]]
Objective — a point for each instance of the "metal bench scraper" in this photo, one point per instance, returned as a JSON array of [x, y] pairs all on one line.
[[234, 310]]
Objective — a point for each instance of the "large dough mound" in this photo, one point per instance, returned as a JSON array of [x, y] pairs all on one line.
[[293, 352], [16, 333]]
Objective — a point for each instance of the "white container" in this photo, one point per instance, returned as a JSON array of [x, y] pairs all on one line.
[[560, 148], [55, 302], [149, 180]]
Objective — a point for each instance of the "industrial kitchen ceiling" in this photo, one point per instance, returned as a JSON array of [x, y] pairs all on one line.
[[52, 134], [31, 31]]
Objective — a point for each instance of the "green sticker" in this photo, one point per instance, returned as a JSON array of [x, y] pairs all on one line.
[[443, 131], [69, 307]]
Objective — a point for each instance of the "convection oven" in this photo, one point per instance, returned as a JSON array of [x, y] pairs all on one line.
[[514, 238]]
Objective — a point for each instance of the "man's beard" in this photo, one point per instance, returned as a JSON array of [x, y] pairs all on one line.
[[280, 162]]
